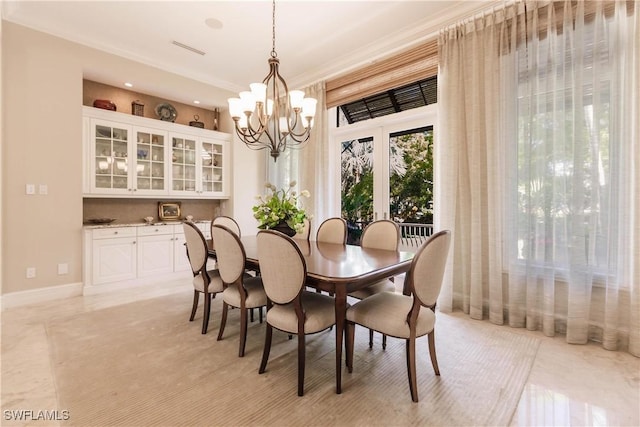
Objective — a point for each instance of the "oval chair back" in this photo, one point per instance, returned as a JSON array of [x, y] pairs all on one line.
[[332, 230], [424, 279], [381, 234], [282, 266], [196, 247], [228, 222], [229, 253]]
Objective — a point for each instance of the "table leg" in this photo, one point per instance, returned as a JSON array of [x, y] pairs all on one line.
[[340, 296]]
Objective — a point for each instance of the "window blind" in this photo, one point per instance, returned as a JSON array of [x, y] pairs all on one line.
[[407, 67]]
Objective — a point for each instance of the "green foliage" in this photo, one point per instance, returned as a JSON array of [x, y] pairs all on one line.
[[280, 206], [411, 179], [411, 193]]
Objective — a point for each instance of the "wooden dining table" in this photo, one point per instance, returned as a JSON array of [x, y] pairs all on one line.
[[338, 269]]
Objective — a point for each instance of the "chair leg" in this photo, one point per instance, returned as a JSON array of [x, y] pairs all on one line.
[[251, 314], [260, 313], [196, 296], [301, 359], [370, 338], [243, 330], [351, 334], [411, 368], [267, 349], [432, 351], [223, 320], [384, 341], [207, 312]]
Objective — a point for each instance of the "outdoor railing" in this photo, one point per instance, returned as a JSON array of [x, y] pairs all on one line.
[[411, 235], [414, 235]]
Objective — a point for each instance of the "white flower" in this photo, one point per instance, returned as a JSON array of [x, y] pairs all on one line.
[[305, 193], [292, 183]]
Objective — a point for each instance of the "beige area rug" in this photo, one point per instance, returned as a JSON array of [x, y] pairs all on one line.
[[145, 364]]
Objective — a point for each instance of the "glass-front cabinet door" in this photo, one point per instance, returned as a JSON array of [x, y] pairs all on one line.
[[110, 146], [211, 169], [197, 166], [183, 164], [151, 168]]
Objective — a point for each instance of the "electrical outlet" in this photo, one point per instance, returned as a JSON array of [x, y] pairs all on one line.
[[31, 272], [63, 268], [43, 189]]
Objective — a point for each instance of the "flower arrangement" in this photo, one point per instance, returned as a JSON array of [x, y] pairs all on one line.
[[280, 206]]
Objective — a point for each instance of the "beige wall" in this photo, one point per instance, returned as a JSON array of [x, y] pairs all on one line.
[[122, 98], [42, 144]]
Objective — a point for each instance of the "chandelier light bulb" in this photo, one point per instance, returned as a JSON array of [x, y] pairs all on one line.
[[309, 107], [295, 98], [248, 102], [259, 91], [235, 108]]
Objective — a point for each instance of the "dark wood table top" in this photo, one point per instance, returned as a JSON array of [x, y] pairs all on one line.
[[349, 265]]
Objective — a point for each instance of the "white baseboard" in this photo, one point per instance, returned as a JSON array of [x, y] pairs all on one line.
[[32, 296], [145, 281]]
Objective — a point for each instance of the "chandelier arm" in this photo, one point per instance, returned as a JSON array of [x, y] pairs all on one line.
[[251, 136]]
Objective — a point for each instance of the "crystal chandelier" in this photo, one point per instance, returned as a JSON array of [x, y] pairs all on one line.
[[270, 116]]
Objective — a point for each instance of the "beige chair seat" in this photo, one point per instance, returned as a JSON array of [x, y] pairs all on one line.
[[385, 285], [387, 312], [256, 297], [215, 285], [319, 309]]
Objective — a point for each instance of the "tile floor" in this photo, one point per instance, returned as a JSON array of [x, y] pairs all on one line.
[[568, 385]]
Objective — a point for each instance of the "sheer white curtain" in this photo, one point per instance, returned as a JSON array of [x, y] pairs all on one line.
[[307, 165], [538, 167]]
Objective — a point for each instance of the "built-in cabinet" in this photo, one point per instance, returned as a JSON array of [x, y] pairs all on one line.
[[123, 255], [131, 156]]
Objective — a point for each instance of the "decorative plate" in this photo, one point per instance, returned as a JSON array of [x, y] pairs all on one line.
[[166, 112], [100, 220]]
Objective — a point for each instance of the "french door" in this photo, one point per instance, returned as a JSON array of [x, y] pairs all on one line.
[[386, 170]]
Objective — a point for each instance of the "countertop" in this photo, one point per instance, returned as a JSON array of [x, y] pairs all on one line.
[[139, 224]]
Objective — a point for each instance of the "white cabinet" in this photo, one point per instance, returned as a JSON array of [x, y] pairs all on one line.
[[130, 254], [131, 156], [180, 259], [113, 254], [155, 250]]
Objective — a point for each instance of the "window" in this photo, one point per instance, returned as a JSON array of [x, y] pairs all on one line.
[[414, 95]]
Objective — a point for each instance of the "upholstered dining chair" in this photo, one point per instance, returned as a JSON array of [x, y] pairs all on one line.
[[381, 234], [290, 308], [228, 222], [332, 230], [409, 315], [207, 282], [306, 231], [241, 290]]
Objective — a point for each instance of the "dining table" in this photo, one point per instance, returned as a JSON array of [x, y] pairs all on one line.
[[337, 269]]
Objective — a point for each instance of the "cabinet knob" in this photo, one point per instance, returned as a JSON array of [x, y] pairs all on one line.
[[134, 242], [115, 232]]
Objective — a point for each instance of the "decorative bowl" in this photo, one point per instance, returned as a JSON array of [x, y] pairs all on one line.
[[100, 220]]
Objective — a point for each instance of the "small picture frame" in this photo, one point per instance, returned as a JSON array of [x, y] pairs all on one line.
[[169, 211]]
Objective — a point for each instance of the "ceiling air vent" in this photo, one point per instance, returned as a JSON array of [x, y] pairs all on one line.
[[189, 48]]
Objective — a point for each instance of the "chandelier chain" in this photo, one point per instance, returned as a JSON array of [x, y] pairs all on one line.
[[273, 30]]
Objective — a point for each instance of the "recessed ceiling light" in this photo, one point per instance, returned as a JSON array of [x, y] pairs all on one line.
[[127, 84], [196, 102], [214, 23]]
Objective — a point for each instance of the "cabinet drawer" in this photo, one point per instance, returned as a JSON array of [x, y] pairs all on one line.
[[110, 232], [154, 230]]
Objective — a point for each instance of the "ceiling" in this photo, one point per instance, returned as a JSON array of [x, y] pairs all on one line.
[[315, 40]]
